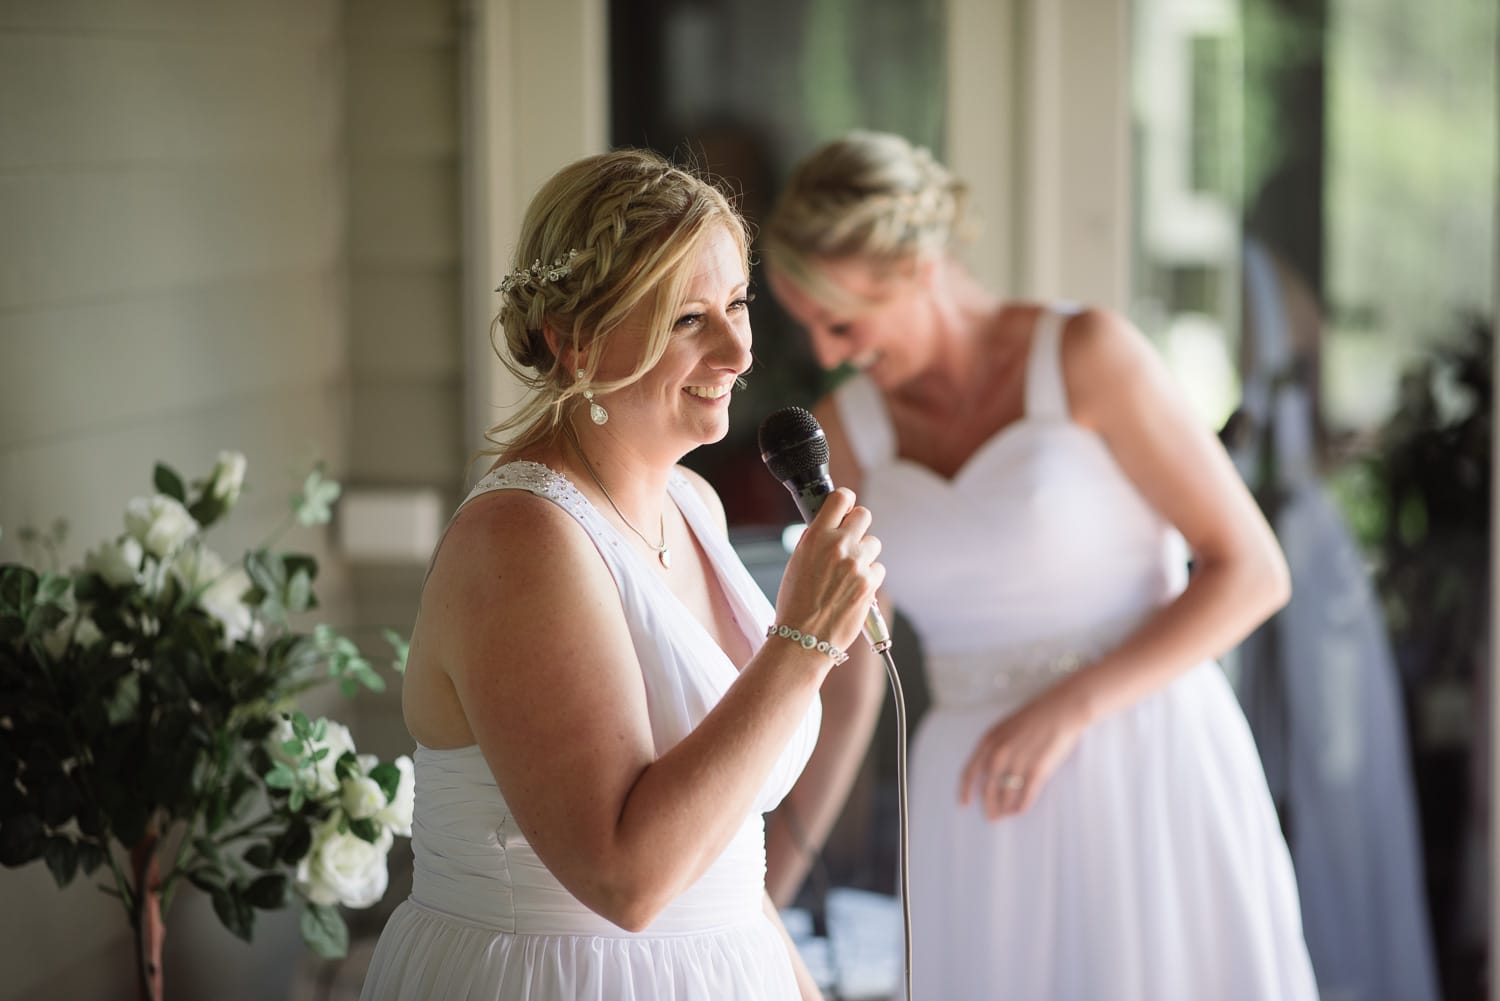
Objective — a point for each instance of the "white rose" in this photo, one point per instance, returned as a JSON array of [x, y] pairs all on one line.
[[87, 633], [344, 868], [338, 741], [224, 599], [159, 523], [395, 816], [361, 796], [196, 566], [336, 738], [228, 476], [118, 562]]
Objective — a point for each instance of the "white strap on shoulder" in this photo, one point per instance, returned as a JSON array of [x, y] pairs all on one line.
[[1046, 388], [867, 423]]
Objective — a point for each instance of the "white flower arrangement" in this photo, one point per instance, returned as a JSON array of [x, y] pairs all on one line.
[[146, 723]]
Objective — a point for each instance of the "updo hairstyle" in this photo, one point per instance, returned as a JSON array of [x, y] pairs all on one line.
[[867, 195], [602, 236]]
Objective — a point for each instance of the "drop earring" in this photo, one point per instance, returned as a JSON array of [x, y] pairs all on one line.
[[597, 413]]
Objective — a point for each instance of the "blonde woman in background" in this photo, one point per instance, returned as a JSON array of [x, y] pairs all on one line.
[[1089, 815], [600, 716]]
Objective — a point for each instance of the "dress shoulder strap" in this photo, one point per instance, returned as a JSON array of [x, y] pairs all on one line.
[[1046, 389], [551, 485], [867, 423]]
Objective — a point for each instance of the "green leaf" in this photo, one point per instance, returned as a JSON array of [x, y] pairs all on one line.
[[62, 858], [207, 880], [297, 798], [324, 931], [90, 856], [296, 842], [347, 767], [281, 777], [261, 855], [22, 840], [168, 482], [388, 777], [401, 647], [298, 592], [18, 586], [206, 510], [89, 587], [53, 588], [209, 852], [125, 702], [314, 505], [268, 892], [58, 800], [301, 726], [365, 830], [235, 912], [295, 562]]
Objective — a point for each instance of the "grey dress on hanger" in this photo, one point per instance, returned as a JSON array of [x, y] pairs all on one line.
[[1318, 684]]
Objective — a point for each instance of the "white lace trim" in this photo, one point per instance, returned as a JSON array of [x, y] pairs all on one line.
[[544, 481]]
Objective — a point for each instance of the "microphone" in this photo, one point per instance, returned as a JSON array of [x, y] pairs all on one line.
[[794, 449]]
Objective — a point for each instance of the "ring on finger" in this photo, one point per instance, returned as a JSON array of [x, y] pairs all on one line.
[[1011, 781]]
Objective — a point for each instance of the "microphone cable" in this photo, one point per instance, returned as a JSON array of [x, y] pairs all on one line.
[[819, 864], [902, 814]]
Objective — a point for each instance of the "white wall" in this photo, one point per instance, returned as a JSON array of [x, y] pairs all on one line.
[[172, 283]]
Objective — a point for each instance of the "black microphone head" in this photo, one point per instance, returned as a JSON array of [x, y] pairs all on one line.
[[792, 445]]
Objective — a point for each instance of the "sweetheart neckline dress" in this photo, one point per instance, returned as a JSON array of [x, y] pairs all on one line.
[[1151, 867], [486, 920]]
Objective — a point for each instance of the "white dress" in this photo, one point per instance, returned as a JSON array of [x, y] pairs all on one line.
[[487, 920], [1151, 866]]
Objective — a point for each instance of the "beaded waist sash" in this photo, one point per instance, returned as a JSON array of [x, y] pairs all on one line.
[[1014, 674]]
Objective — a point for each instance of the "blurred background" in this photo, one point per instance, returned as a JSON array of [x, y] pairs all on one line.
[[274, 226]]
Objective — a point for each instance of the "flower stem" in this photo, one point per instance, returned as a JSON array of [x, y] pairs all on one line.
[[146, 918]]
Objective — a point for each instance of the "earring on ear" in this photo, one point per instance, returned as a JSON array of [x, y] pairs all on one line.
[[597, 413]]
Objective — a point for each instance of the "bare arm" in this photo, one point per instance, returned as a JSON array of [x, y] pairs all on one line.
[[526, 620], [1239, 577], [852, 696]]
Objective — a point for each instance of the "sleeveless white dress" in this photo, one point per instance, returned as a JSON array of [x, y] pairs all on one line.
[[1151, 866], [487, 920]]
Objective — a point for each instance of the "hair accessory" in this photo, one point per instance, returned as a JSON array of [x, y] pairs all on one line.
[[808, 642], [538, 273], [597, 413]]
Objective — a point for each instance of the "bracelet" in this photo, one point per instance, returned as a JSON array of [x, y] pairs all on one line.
[[808, 641]]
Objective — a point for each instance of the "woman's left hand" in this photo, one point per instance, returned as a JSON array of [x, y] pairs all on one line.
[[1017, 756]]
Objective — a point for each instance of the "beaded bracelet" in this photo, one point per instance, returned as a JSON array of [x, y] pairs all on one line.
[[808, 642]]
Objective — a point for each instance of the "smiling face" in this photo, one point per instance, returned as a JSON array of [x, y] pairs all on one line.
[[683, 400], [874, 318]]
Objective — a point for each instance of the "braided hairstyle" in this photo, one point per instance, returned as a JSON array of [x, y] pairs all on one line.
[[623, 226], [867, 195]]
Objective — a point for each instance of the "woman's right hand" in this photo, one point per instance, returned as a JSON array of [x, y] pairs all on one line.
[[831, 577]]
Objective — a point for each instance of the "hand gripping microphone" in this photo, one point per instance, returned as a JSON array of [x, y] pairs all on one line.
[[794, 450]]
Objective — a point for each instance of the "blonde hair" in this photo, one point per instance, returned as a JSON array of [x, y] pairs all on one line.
[[868, 195], [627, 223]]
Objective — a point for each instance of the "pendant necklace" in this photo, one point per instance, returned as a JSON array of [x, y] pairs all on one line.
[[663, 552]]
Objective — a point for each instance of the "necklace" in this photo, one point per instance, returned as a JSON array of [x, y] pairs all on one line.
[[662, 550]]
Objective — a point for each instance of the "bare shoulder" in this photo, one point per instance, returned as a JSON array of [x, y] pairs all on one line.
[[707, 494], [486, 576], [1106, 360]]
